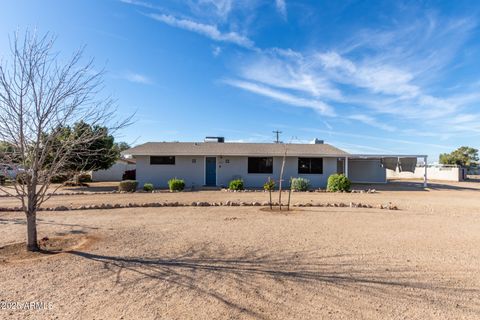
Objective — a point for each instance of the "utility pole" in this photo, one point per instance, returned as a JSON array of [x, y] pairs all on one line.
[[277, 133]]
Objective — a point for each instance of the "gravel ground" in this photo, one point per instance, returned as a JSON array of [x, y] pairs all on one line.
[[421, 262]]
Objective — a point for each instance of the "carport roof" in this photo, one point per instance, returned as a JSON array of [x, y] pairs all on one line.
[[233, 149]]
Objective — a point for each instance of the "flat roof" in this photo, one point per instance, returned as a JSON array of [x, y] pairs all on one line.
[[233, 149], [381, 156]]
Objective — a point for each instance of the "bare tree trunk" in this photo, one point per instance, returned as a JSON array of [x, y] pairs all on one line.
[[289, 194], [281, 179], [76, 179], [270, 192], [31, 212], [32, 243]]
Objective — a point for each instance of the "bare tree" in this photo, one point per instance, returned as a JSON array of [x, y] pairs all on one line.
[[281, 178], [38, 96]]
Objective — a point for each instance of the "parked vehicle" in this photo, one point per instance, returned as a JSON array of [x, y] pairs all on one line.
[[8, 171]]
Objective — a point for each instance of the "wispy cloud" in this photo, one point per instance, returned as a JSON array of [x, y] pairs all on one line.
[[377, 78], [387, 78], [216, 51], [379, 138], [371, 122], [281, 7], [208, 30], [283, 97], [222, 8], [137, 78]]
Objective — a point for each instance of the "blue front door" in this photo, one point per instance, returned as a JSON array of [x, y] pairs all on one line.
[[211, 171]]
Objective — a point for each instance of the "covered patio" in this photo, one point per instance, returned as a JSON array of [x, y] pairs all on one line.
[[371, 168]]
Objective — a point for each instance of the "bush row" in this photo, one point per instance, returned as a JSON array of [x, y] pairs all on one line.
[[336, 183]]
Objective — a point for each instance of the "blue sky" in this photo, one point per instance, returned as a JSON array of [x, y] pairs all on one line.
[[366, 76]]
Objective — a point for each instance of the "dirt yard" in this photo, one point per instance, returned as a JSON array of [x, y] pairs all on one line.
[[420, 262]]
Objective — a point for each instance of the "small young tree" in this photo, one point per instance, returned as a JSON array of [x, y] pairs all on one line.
[[38, 97], [269, 186], [284, 159]]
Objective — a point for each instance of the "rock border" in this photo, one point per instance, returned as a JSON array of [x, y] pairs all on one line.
[[81, 193], [106, 206]]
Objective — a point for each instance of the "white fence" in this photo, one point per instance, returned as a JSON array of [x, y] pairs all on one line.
[[445, 173]]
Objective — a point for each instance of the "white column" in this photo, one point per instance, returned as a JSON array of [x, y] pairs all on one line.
[[346, 167], [425, 181]]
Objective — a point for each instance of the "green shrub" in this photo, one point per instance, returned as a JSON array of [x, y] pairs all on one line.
[[269, 185], [338, 182], [176, 184], [300, 184], [148, 187], [236, 184], [128, 185]]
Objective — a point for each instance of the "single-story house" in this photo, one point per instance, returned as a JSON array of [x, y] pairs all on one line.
[[214, 163]]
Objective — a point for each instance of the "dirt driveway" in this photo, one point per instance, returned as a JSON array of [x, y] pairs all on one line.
[[421, 262]]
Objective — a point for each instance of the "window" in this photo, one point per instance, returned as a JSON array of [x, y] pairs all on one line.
[[310, 165], [194, 160], [227, 161], [260, 165], [162, 160]]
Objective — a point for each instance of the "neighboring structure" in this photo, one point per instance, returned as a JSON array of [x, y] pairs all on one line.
[[434, 172], [115, 172], [215, 163]]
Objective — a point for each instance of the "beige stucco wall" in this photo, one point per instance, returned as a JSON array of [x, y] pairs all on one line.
[[433, 173]]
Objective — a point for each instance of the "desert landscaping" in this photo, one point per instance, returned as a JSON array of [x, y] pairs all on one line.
[[421, 261]]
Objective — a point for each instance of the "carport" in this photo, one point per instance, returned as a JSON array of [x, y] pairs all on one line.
[[371, 168]]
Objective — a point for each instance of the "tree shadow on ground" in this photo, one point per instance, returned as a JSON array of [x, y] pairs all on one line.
[[266, 277], [89, 188]]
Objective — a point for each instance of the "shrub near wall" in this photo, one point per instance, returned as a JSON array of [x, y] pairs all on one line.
[[338, 182], [300, 184], [148, 187], [176, 184], [128, 185], [236, 184]]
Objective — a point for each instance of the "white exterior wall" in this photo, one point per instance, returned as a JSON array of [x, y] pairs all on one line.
[[366, 171], [237, 167], [433, 173], [114, 173]]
